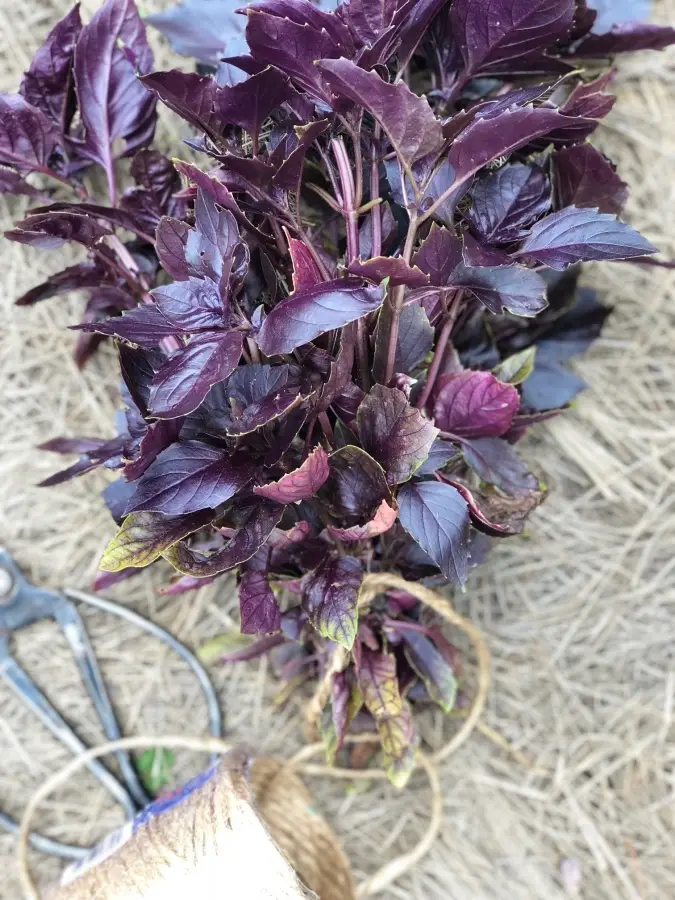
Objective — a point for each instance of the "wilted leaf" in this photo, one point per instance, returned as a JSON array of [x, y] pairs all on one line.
[[376, 672], [437, 518], [381, 522], [394, 268], [144, 536], [301, 483], [497, 462], [330, 598], [355, 487], [399, 746], [255, 521]]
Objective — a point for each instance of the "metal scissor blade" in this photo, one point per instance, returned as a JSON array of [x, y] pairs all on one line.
[[45, 844], [30, 694], [74, 631]]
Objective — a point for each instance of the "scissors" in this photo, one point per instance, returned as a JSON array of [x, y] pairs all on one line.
[[22, 604]]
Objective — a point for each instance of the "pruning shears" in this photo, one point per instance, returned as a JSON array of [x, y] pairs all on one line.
[[22, 604]]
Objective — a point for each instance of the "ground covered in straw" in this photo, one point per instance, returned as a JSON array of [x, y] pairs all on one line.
[[578, 614]]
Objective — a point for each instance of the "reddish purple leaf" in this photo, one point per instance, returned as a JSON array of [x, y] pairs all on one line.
[[475, 404], [395, 433], [300, 484], [496, 515], [306, 274], [394, 268], [185, 379], [574, 235], [192, 305], [505, 202], [439, 255], [516, 288], [172, 235], [193, 97], [50, 230], [144, 326], [190, 476], [330, 598], [114, 106], [491, 36], [258, 605], [355, 487], [584, 178], [406, 118], [437, 518], [305, 315], [158, 436], [47, 84], [627, 37], [381, 522], [27, 137]]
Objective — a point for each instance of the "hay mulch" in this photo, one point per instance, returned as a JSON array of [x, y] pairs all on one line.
[[579, 614]]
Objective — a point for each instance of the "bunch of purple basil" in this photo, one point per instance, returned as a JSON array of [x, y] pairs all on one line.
[[334, 331]]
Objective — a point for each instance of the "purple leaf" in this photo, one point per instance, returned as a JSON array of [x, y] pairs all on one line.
[[293, 46], [72, 445], [290, 167], [346, 702], [340, 369], [254, 522], [475, 404], [498, 463], [193, 97], [330, 598], [265, 411], [407, 119], [213, 248], [507, 201], [250, 102], [395, 433], [81, 275], [381, 522], [306, 274], [439, 255], [192, 305], [185, 379], [144, 536], [414, 340], [431, 667], [368, 19], [190, 476], [158, 436], [437, 518], [258, 605], [47, 84], [300, 484], [200, 28], [305, 315], [27, 137], [489, 138], [144, 326], [491, 36], [114, 105], [440, 454], [182, 584], [172, 235], [13, 183], [115, 496], [394, 268], [516, 288], [573, 235], [627, 37], [355, 487], [584, 178], [158, 181], [50, 230]]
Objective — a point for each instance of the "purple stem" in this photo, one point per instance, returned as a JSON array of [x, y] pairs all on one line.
[[396, 301], [439, 351], [375, 213]]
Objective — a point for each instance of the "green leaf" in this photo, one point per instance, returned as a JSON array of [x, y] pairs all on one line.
[[515, 369], [399, 746], [144, 536], [154, 766]]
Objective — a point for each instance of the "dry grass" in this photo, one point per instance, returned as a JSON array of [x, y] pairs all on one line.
[[579, 614]]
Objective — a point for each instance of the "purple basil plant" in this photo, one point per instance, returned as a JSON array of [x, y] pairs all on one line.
[[334, 331]]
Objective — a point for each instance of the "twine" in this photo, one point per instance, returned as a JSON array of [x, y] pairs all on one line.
[[392, 870]]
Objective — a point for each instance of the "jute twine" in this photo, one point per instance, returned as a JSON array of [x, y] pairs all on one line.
[[282, 800]]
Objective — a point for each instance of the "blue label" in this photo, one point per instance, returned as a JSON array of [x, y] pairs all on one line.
[[173, 798]]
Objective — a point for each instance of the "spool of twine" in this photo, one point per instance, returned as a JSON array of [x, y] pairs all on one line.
[[282, 800]]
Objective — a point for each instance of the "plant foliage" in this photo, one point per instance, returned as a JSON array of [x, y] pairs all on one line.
[[334, 330]]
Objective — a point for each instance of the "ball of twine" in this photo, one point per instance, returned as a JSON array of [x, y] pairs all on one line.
[[280, 791]]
